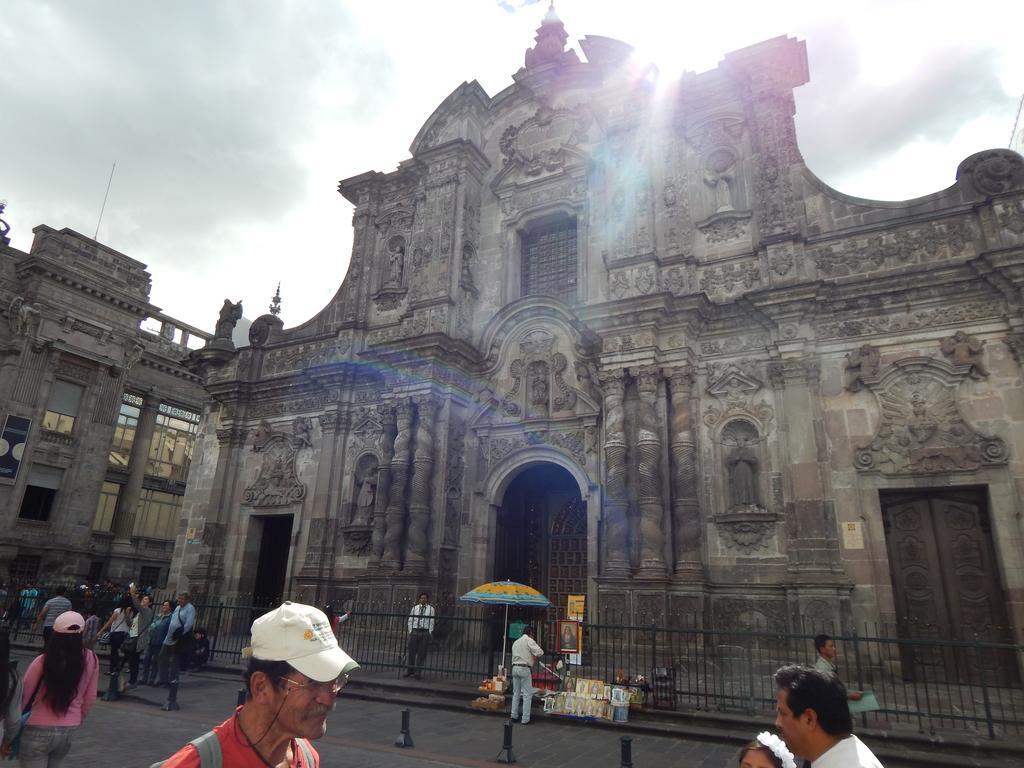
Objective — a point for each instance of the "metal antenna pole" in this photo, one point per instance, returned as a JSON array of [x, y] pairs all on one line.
[[104, 206]]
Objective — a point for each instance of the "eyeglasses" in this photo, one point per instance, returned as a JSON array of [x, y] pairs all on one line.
[[331, 686]]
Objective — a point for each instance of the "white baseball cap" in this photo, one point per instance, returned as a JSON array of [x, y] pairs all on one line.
[[301, 635]]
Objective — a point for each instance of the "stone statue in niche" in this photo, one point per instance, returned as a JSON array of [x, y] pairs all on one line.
[[962, 349], [739, 439], [396, 261], [230, 314], [466, 276], [366, 482], [719, 178], [539, 387], [862, 362]]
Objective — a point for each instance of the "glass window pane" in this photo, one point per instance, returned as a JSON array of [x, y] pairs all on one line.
[[65, 397]]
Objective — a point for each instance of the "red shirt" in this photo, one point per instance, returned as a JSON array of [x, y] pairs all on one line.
[[235, 750]]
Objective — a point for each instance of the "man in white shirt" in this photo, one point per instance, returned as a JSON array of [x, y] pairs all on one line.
[[825, 645], [525, 653], [815, 720], [421, 627]]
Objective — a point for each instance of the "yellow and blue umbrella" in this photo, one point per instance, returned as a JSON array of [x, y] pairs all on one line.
[[506, 593]]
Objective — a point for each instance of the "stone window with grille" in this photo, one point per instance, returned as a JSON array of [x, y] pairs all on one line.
[[548, 262]]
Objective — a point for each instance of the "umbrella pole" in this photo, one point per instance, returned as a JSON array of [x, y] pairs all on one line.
[[504, 640]]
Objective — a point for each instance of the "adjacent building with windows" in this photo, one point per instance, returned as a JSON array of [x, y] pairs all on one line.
[[99, 415]]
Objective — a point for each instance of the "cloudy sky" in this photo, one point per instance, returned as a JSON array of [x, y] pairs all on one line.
[[231, 121]]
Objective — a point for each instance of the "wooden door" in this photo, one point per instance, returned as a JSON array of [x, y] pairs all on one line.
[[946, 583]]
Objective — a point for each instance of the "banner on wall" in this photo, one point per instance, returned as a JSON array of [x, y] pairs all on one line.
[[13, 439]]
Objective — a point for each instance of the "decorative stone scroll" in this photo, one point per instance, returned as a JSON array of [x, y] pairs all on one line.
[[277, 484], [921, 429]]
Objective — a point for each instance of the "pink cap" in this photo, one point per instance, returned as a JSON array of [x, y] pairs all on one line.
[[69, 623]]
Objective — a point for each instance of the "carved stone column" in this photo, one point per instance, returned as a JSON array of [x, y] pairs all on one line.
[[394, 514], [383, 485], [204, 569], [648, 459], [616, 501], [128, 500], [686, 522], [810, 516], [320, 546], [416, 545]]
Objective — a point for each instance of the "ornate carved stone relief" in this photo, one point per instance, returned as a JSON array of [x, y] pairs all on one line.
[[879, 322], [898, 249], [633, 281], [740, 613], [538, 385], [735, 343], [735, 386], [431, 320], [277, 483], [921, 429], [993, 171], [1011, 216], [572, 442], [962, 349], [749, 537], [545, 142], [860, 364], [721, 281]]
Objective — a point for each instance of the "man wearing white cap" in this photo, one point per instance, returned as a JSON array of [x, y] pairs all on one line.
[[295, 672]]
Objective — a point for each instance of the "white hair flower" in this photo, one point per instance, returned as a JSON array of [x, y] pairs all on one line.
[[778, 748]]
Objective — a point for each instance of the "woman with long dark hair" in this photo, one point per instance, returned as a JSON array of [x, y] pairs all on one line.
[[119, 623], [60, 687], [10, 694]]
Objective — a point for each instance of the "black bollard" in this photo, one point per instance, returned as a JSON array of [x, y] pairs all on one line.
[[506, 755], [405, 737], [241, 696], [172, 697], [627, 752], [113, 694]]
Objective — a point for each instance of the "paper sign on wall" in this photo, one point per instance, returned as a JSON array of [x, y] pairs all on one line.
[[853, 536]]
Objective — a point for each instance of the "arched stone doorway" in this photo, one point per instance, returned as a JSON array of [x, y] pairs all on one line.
[[541, 533]]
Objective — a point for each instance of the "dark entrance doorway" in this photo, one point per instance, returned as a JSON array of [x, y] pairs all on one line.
[[946, 583], [272, 564], [542, 534]]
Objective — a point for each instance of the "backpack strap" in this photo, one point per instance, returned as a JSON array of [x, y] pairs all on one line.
[[208, 747], [307, 753]]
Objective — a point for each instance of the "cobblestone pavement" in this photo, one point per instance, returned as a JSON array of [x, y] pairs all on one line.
[[134, 732]]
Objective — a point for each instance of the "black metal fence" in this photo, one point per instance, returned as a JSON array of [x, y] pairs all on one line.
[[924, 684]]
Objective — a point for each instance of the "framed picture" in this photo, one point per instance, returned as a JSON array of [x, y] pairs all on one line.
[[568, 636]]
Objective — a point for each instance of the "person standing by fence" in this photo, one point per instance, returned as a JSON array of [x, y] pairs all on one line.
[[51, 609], [525, 653], [157, 633], [138, 634], [826, 661], [421, 627], [178, 640]]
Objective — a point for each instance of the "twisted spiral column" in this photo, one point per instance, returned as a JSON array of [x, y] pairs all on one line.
[[648, 453], [686, 523], [616, 501]]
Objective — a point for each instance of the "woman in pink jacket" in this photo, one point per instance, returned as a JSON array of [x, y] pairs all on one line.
[[61, 684]]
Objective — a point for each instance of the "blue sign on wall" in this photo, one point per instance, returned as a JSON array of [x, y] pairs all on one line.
[[13, 440]]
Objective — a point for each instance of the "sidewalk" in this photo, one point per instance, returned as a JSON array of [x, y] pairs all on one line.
[[135, 732]]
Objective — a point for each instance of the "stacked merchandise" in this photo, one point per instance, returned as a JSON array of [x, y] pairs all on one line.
[[583, 698]]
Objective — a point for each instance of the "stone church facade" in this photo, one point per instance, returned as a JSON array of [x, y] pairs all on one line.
[[629, 346]]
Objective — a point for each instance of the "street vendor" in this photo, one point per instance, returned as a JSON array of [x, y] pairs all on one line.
[[525, 653]]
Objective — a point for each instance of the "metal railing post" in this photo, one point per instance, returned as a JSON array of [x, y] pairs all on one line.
[[984, 688]]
